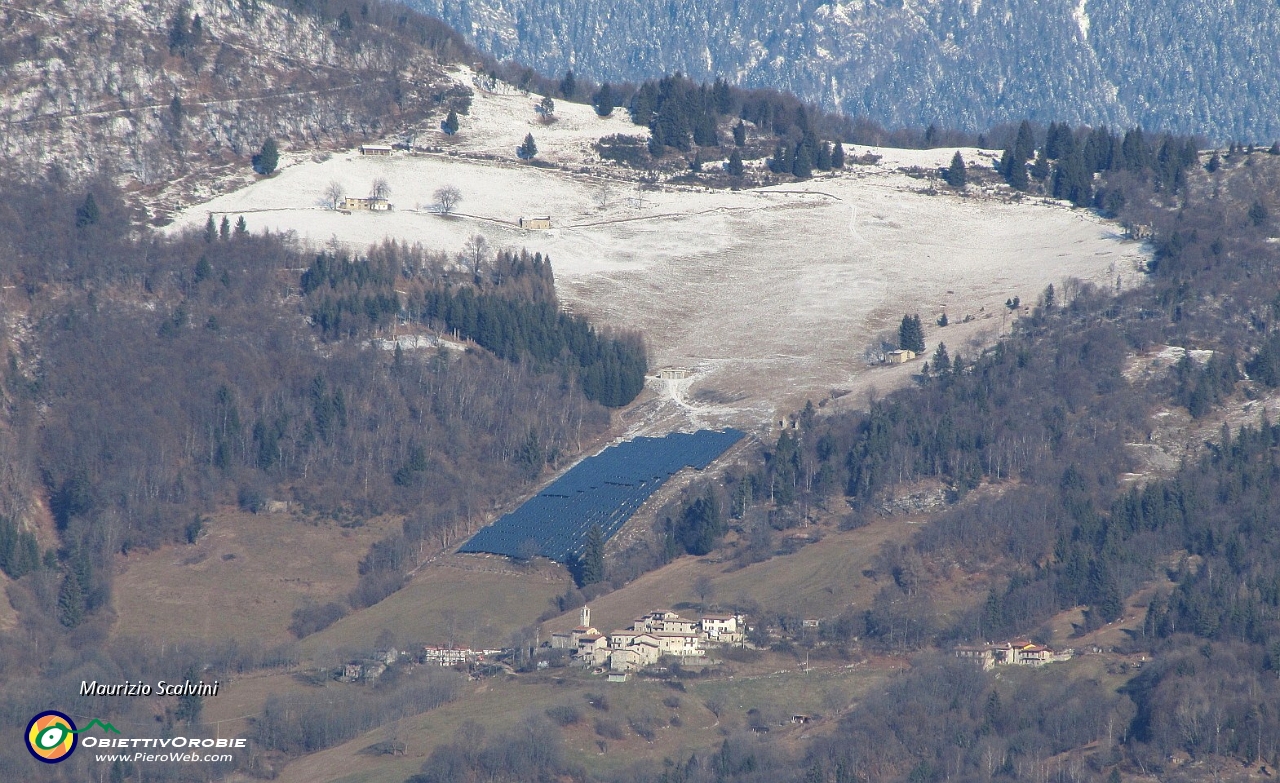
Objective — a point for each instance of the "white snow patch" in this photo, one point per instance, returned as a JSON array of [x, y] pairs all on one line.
[[1082, 19]]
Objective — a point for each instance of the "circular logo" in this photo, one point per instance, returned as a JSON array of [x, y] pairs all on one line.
[[51, 736]]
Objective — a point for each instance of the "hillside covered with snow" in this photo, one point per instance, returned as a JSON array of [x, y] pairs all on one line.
[[770, 294]]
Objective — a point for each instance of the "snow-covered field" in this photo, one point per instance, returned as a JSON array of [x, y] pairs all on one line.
[[771, 295]]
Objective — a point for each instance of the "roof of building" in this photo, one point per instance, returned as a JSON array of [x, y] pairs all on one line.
[[718, 616]]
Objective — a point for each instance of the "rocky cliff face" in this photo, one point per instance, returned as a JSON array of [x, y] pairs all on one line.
[[152, 91], [1200, 66]]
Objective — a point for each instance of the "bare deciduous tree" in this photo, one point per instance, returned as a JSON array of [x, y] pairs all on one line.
[[476, 251], [334, 194], [704, 589], [380, 188], [447, 199]]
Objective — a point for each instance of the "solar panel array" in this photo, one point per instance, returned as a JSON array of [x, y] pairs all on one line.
[[604, 490]]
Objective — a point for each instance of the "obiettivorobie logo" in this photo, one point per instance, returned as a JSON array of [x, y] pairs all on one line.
[[52, 736]]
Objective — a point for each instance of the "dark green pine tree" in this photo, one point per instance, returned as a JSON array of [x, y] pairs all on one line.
[[837, 156], [1275, 148], [1025, 146], [528, 148], [911, 334], [657, 146], [802, 164], [1054, 140], [993, 617], [70, 601], [823, 161], [242, 228], [1040, 169], [450, 124], [1134, 153], [87, 213], [956, 176], [1005, 166], [780, 163], [210, 229], [529, 456], [1104, 592], [224, 229], [267, 159], [1214, 163], [19, 552], [604, 100], [591, 568], [734, 166], [1018, 176], [1072, 181], [739, 134], [568, 85], [721, 97], [941, 359]]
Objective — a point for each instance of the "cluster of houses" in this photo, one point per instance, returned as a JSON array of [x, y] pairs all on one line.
[[370, 669], [1019, 652], [650, 637]]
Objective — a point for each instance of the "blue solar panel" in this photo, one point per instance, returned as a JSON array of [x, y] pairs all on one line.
[[604, 490]]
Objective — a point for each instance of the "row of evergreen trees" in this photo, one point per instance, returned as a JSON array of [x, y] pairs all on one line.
[[679, 112], [1067, 160], [807, 154], [19, 552], [610, 369]]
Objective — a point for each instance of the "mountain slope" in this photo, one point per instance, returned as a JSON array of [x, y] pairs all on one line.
[[1193, 66], [148, 93]]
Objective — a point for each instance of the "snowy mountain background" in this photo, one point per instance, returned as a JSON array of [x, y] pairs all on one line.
[[1193, 66]]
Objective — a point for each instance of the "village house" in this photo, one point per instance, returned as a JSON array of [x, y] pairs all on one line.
[[1019, 652], [664, 622], [568, 640], [722, 628], [593, 649], [900, 356], [644, 651], [375, 149], [681, 645], [535, 222], [448, 656], [371, 204]]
